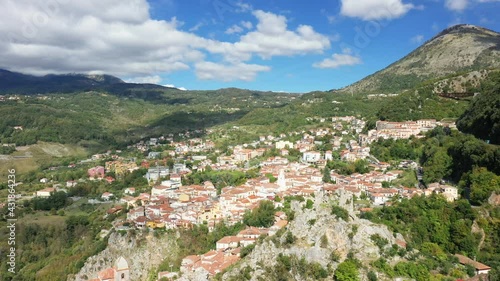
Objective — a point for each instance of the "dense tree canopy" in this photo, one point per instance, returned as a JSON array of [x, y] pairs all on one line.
[[262, 216], [432, 219], [479, 184], [482, 117]]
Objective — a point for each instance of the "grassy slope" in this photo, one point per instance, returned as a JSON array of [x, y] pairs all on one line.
[[40, 153]]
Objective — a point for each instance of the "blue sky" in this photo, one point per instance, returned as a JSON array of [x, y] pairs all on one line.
[[277, 45]]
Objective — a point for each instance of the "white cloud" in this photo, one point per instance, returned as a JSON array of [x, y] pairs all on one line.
[[338, 60], [173, 86], [155, 79], [119, 37], [234, 29], [113, 36], [272, 38], [243, 7], [456, 5], [417, 39], [247, 24], [239, 29], [375, 9], [228, 72], [461, 5], [197, 27]]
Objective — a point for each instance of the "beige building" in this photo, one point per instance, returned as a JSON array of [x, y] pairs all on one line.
[[120, 272]]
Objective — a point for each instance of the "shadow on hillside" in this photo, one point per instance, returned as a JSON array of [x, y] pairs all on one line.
[[181, 121], [147, 92]]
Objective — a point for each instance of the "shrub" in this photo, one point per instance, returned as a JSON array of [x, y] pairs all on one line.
[[379, 241], [324, 241], [247, 250], [372, 276], [340, 212], [347, 271]]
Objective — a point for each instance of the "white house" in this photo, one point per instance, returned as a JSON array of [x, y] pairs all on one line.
[[106, 196], [71, 183], [156, 173], [311, 156], [129, 190], [449, 192], [46, 192], [160, 190], [479, 267], [283, 144], [228, 242]]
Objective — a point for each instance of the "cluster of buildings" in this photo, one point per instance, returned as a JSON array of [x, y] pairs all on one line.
[[371, 183], [171, 205], [174, 206], [194, 145], [354, 152], [228, 249], [240, 154], [184, 206], [401, 130]]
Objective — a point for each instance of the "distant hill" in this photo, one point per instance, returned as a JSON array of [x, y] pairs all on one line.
[[99, 111], [437, 80], [13, 82], [458, 49]]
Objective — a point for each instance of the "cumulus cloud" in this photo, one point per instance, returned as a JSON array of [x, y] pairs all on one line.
[[461, 5], [119, 37], [247, 24], [239, 29], [155, 79], [112, 36], [456, 5], [375, 9], [417, 39], [338, 60], [234, 29], [228, 72], [272, 38]]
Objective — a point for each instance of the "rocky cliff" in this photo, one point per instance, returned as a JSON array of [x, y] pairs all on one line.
[[143, 252], [319, 237]]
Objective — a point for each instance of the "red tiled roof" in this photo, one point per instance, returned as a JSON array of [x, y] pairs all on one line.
[[229, 239], [107, 274], [475, 264]]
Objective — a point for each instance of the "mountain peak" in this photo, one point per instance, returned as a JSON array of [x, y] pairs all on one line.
[[466, 29], [460, 48]]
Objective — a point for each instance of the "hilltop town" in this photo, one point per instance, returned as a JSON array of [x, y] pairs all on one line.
[[272, 168]]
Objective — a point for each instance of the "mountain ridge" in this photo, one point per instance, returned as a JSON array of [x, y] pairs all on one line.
[[460, 48]]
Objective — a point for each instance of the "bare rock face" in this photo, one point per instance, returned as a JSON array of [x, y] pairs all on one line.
[[143, 252], [199, 275], [318, 234], [494, 199]]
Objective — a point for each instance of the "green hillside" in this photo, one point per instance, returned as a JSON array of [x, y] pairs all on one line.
[[460, 48]]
